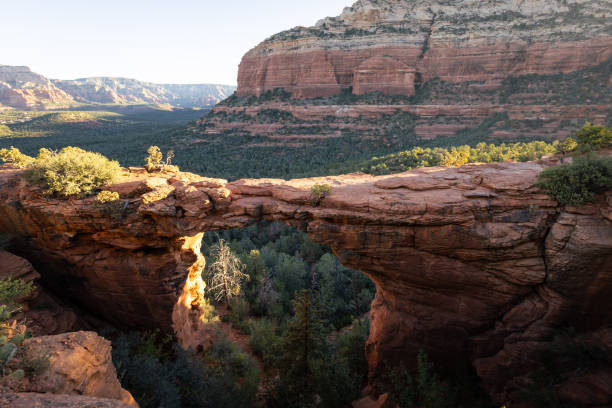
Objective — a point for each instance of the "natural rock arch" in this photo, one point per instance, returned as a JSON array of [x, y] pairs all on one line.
[[473, 264]]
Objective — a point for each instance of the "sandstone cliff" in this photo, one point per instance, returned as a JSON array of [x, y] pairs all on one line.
[[416, 69], [473, 264], [387, 45], [23, 89], [20, 88]]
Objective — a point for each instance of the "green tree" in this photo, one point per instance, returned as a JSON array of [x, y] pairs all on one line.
[[594, 135], [225, 273], [423, 390], [303, 352], [578, 182]]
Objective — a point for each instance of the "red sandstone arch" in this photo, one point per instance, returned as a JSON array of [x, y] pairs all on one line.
[[473, 264]]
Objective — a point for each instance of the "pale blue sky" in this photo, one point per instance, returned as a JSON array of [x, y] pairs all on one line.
[[165, 41]]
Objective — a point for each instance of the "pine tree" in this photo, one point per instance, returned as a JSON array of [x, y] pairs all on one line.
[[304, 352]]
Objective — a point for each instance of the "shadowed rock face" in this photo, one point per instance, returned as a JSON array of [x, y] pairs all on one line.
[[472, 264]]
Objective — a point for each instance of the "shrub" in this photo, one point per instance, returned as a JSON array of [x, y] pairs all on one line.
[[14, 156], [239, 310], [5, 130], [110, 203], [13, 361], [159, 374], [105, 197], [578, 182], [264, 342], [568, 145], [72, 171], [594, 136], [318, 192], [154, 159]]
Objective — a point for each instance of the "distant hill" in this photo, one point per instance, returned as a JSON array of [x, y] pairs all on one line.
[[20, 88]]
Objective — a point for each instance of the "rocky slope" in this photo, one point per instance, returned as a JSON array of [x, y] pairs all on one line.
[[473, 264], [502, 69], [125, 91], [80, 364], [21, 88]]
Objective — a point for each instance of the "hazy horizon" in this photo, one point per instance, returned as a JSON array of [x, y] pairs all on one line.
[[186, 42]]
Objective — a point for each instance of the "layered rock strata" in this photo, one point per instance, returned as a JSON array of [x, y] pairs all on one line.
[[468, 70], [472, 264], [399, 42]]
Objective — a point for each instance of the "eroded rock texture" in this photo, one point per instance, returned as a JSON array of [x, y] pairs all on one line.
[[472, 264], [80, 363], [505, 69], [43, 312]]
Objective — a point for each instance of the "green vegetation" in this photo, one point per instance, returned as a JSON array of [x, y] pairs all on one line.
[[298, 303], [318, 192], [456, 156], [423, 390], [308, 370], [281, 261], [15, 157], [153, 159], [72, 171], [158, 373], [122, 133], [594, 136], [13, 363], [578, 182], [109, 203], [297, 293]]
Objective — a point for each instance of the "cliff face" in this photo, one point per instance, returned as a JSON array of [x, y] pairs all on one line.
[[503, 69], [21, 88], [125, 91], [472, 264], [383, 43]]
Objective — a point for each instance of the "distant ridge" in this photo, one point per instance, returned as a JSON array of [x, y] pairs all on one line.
[[20, 88]]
